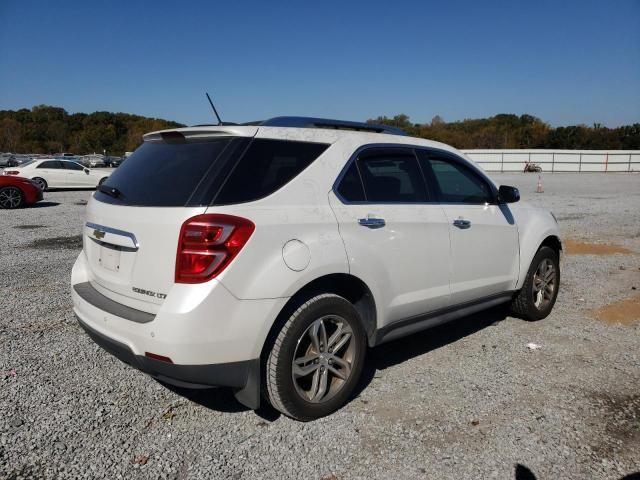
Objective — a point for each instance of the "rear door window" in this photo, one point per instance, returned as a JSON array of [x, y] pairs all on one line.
[[267, 166], [55, 164], [392, 177], [350, 188]]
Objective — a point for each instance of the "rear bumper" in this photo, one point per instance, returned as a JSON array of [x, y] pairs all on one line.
[[212, 338], [233, 374]]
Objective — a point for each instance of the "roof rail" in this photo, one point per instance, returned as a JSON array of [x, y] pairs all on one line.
[[310, 122]]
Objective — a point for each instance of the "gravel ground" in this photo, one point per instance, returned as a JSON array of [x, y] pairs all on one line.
[[465, 400]]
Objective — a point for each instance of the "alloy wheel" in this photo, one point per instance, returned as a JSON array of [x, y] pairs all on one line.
[[10, 197], [41, 183], [323, 358], [544, 284]]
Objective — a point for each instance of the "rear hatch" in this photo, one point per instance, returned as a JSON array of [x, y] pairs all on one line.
[[133, 220]]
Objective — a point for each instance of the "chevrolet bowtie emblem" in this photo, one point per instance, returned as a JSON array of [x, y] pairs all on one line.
[[98, 234]]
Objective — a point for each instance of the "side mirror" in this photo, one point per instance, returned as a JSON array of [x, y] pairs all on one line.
[[507, 194], [86, 170]]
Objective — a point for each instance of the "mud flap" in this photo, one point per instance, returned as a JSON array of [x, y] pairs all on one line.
[[249, 395]]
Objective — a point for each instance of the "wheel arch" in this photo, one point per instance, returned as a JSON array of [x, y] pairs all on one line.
[[40, 177], [553, 242], [548, 239], [343, 284]]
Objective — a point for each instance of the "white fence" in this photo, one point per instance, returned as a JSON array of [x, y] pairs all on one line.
[[602, 161]]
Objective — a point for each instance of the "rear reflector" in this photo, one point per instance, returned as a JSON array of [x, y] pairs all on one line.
[[207, 244], [161, 358]]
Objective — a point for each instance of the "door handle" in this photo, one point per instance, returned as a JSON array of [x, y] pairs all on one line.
[[372, 222], [462, 223]]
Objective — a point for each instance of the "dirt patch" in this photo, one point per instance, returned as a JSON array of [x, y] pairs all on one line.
[[57, 243], [577, 247], [619, 415], [626, 312], [29, 227]]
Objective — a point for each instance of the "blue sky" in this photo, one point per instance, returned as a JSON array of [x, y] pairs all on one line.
[[567, 62]]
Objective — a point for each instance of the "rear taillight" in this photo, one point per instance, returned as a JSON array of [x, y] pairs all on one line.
[[207, 244], [11, 172]]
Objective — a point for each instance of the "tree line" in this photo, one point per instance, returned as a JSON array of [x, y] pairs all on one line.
[[50, 130], [513, 131]]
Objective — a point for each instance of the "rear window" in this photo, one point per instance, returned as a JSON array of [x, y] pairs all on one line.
[[222, 171], [266, 167], [163, 174]]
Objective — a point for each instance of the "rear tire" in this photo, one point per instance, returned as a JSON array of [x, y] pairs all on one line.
[[42, 183], [11, 198], [316, 359], [540, 290]]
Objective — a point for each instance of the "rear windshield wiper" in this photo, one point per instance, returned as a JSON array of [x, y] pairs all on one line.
[[111, 191]]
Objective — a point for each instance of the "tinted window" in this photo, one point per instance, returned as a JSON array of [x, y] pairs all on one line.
[[72, 166], [164, 174], [350, 188], [392, 178], [266, 166], [455, 183], [49, 164]]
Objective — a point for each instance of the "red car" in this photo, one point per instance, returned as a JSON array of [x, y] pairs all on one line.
[[16, 192]]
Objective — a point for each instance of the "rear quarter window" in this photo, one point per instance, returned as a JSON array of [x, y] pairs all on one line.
[[267, 166]]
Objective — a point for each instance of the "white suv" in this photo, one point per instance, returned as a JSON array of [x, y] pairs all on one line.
[[268, 257]]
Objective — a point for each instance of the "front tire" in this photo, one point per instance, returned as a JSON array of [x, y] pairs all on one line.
[[11, 197], [316, 359], [42, 183], [540, 290]]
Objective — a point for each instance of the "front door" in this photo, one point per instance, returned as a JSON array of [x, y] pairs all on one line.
[[484, 237], [76, 175]]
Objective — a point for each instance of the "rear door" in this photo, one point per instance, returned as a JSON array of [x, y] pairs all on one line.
[[53, 173], [134, 218], [397, 242], [484, 236]]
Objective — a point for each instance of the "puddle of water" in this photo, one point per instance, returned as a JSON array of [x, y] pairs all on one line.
[[577, 247], [625, 312], [29, 227], [56, 243]]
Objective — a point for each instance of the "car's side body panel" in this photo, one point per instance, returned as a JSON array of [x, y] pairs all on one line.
[[535, 225], [405, 263], [484, 256]]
